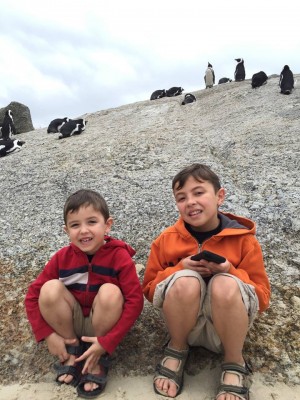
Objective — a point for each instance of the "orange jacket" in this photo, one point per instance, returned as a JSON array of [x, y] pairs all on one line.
[[236, 242]]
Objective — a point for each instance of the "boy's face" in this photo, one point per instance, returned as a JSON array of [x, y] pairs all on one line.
[[86, 229], [197, 203]]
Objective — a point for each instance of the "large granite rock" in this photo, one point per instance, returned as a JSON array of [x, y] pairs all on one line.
[[130, 154], [21, 116]]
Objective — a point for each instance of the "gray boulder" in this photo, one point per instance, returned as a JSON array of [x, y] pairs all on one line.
[[130, 154], [21, 116]]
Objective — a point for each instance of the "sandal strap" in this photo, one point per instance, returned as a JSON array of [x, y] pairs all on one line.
[[66, 369], [105, 360], [241, 391], [98, 379], [74, 350], [227, 367], [164, 372], [177, 354]]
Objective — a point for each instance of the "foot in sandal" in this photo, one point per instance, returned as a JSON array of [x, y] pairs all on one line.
[[233, 382], [168, 378]]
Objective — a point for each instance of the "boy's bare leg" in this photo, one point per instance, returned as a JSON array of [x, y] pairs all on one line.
[[180, 309], [56, 304], [107, 310], [230, 320]]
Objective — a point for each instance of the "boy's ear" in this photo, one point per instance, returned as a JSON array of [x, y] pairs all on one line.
[[65, 229], [108, 223], [221, 196]]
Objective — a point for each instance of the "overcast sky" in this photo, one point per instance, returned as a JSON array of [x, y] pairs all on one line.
[[67, 58]]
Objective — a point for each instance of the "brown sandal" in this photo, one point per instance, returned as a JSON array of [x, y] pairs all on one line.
[[241, 391], [163, 372]]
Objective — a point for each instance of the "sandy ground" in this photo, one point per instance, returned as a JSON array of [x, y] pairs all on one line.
[[199, 387]]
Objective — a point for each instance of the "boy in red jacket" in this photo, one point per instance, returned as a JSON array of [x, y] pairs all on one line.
[[205, 303], [87, 297]]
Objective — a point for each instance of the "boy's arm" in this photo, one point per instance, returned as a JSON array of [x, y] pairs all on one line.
[[251, 270], [155, 272], [39, 326], [133, 302]]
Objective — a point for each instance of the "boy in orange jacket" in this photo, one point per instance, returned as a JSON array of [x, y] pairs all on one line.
[[205, 303]]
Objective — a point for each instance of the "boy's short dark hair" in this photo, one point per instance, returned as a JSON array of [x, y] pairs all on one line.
[[200, 172], [86, 197]]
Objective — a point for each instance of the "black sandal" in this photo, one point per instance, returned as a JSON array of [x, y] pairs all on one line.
[[74, 370], [100, 379]]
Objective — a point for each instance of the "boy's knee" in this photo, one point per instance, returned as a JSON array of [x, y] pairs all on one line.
[[185, 288], [51, 290], [109, 295], [225, 289]]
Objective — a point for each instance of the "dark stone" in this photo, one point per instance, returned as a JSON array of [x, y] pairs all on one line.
[[21, 116]]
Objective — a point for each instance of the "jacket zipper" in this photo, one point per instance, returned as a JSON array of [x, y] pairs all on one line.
[[88, 283]]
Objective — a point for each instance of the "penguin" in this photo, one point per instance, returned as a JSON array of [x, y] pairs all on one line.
[[259, 79], [8, 127], [56, 124], [174, 91], [8, 146], [209, 77], [224, 80], [188, 98], [72, 127], [239, 74], [158, 94], [286, 80]]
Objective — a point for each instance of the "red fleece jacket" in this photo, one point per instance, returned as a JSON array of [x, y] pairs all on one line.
[[112, 263]]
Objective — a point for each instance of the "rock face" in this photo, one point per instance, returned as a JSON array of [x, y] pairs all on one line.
[[21, 116], [130, 154]]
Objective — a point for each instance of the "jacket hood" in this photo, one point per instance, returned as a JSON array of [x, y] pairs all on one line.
[[232, 221], [231, 225], [110, 243]]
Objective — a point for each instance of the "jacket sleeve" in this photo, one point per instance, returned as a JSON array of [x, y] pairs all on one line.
[[133, 302], [155, 271], [39, 326], [251, 270]]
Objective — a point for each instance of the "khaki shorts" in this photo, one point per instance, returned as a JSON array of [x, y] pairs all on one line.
[[82, 325], [204, 334]]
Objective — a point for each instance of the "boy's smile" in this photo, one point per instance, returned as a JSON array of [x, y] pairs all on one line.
[[198, 203], [86, 229]]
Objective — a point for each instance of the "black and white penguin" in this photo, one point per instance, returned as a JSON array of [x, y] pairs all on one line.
[[174, 91], [239, 74], [209, 77], [188, 98], [56, 124], [72, 127], [8, 146], [224, 80], [8, 128], [158, 94], [286, 80]]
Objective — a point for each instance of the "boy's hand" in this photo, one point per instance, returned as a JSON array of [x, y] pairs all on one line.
[[92, 355], [205, 268], [57, 346]]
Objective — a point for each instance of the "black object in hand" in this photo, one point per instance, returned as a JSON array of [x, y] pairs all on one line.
[[208, 256]]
